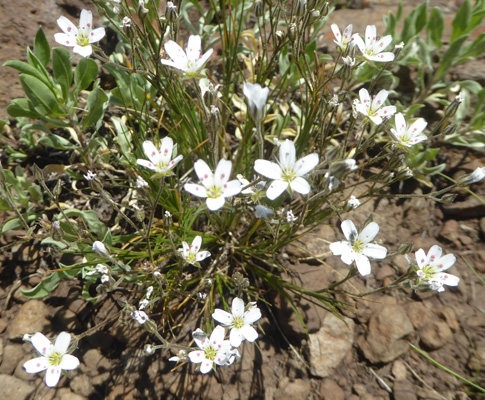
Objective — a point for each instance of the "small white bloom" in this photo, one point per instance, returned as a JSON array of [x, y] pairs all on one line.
[[102, 269], [215, 186], [408, 135], [342, 41], [239, 321], [474, 177], [54, 357], [349, 61], [372, 50], [399, 45], [255, 191], [105, 279], [373, 109], [431, 267], [168, 215], [126, 23], [141, 183], [333, 102], [160, 161], [192, 254], [189, 62], [353, 202], [139, 316], [143, 304], [257, 97], [149, 349], [90, 176], [181, 356], [358, 247], [214, 350], [288, 172], [263, 212], [290, 217], [100, 249], [79, 38]]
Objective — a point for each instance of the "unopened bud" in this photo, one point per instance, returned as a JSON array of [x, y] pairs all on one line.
[[448, 198], [450, 129], [215, 121], [453, 107], [404, 173], [405, 248], [397, 49], [56, 230], [474, 177], [341, 168], [258, 8], [280, 35], [292, 30], [139, 213], [57, 189], [38, 173], [150, 326], [127, 25], [300, 7], [324, 10], [100, 249], [352, 203], [149, 349], [171, 13]]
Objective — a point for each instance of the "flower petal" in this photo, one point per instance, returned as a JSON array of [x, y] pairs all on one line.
[[249, 333], [203, 172], [62, 342], [306, 164], [349, 229], [84, 51], [338, 248], [196, 243], [276, 188], [206, 366], [65, 40], [446, 262], [237, 307], [151, 152], [185, 249], [196, 190], [380, 99], [268, 169], [67, 26], [252, 315], [386, 112], [434, 254], [147, 164], [369, 232], [166, 149], [205, 57], [232, 188], [381, 57], [300, 185], [42, 344], [375, 251], [383, 43], [214, 204], [196, 356], [193, 48], [176, 53], [370, 35], [287, 154], [86, 20], [52, 376], [69, 362], [222, 316], [223, 171], [235, 337], [217, 335], [363, 264], [447, 279], [96, 35], [364, 97], [357, 41], [421, 258], [36, 365]]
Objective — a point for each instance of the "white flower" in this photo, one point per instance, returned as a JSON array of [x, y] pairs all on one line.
[[257, 97], [100, 249], [287, 172], [139, 316], [100, 269], [290, 217], [192, 254], [190, 62], [90, 176], [342, 41], [372, 109], [160, 161], [79, 38], [408, 136], [263, 211], [358, 248], [372, 49], [349, 61], [431, 267], [215, 187], [214, 350], [105, 279], [54, 357], [474, 177], [239, 321], [353, 202], [181, 356], [141, 183]]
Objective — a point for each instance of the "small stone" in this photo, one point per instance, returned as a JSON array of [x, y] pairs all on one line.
[[3, 325], [330, 390], [404, 390], [14, 388], [329, 346], [81, 385], [482, 226], [94, 362], [387, 331], [399, 370], [450, 231], [477, 360], [298, 389], [1, 350], [66, 394], [448, 315], [385, 272], [31, 317], [418, 313], [12, 354], [435, 334], [67, 319]]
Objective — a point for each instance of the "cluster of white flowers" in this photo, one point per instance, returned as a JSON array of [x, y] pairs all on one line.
[[218, 350]]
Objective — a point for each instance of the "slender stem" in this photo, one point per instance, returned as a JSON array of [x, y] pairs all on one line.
[[150, 220]]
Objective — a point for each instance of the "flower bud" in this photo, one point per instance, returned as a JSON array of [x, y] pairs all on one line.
[[397, 49], [280, 35], [405, 248], [258, 8], [149, 349], [352, 203], [474, 177], [450, 129], [56, 230], [341, 168], [57, 189], [448, 198], [453, 107], [215, 121], [171, 13], [292, 30], [100, 249], [38, 173], [324, 10], [404, 173]]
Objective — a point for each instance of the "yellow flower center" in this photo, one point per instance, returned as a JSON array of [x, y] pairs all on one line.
[[55, 359]]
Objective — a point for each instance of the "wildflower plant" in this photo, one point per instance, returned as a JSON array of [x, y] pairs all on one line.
[[161, 146]]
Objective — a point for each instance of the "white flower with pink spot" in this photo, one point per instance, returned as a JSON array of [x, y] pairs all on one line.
[[373, 49], [53, 357], [191, 253], [80, 38], [344, 39], [373, 108], [159, 161], [431, 268], [189, 62], [213, 350], [215, 186], [408, 135]]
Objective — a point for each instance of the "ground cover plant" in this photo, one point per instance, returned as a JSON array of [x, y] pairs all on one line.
[[214, 144]]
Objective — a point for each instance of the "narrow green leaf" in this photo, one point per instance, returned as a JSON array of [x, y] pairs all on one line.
[[474, 49], [49, 284], [85, 74], [11, 224], [421, 17], [96, 104], [436, 25], [27, 69], [43, 101], [450, 54], [56, 142], [462, 21], [61, 66], [41, 47], [22, 108]]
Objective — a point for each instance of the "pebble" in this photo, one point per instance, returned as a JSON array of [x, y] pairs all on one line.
[[31, 317], [477, 360], [399, 370], [330, 390], [404, 390], [14, 388], [435, 334], [81, 385], [329, 346], [385, 338], [297, 389], [12, 354]]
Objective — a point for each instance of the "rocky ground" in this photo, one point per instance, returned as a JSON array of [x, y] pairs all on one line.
[[365, 356]]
